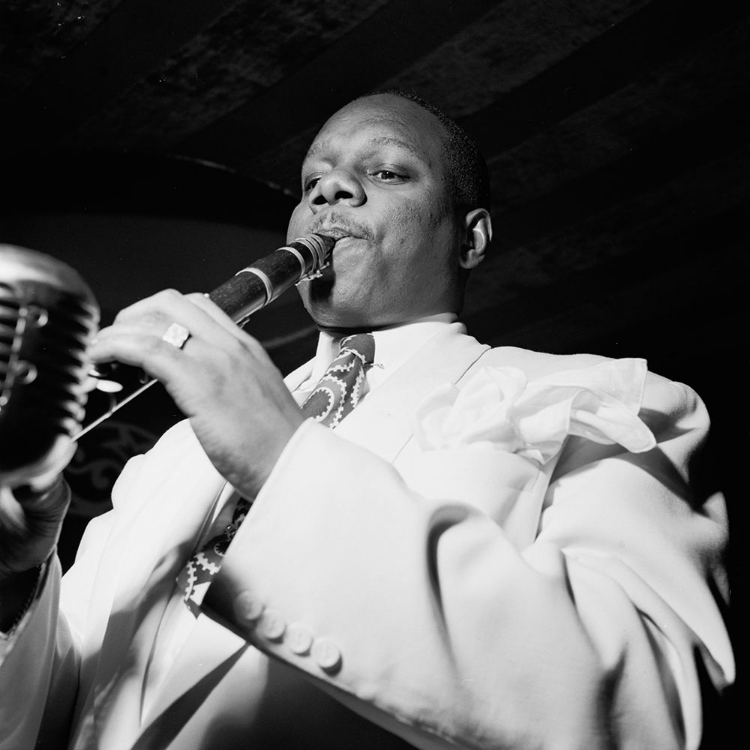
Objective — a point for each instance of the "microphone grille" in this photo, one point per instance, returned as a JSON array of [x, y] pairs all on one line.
[[47, 319]]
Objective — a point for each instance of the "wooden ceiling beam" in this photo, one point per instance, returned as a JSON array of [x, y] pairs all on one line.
[[686, 87], [713, 135], [128, 43], [629, 50], [388, 41], [35, 33]]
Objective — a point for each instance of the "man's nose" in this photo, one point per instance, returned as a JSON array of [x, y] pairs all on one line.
[[337, 186]]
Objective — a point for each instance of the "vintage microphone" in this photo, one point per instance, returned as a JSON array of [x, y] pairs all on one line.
[[48, 317]]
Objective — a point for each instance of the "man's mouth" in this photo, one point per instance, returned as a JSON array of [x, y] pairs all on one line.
[[340, 228], [336, 233]]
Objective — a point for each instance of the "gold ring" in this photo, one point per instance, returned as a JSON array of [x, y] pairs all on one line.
[[176, 335]]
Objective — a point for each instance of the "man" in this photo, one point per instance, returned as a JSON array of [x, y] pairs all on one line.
[[494, 549]]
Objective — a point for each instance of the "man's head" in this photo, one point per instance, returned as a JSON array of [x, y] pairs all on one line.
[[389, 176], [468, 178]]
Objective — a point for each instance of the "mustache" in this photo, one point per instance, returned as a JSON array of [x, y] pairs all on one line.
[[338, 225]]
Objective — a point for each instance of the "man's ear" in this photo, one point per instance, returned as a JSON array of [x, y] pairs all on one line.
[[477, 236]]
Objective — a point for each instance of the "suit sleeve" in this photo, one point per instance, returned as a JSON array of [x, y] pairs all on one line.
[[39, 669], [418, 610]]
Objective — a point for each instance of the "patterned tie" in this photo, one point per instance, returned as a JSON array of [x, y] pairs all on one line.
[[339, 390], [195, 577], [343, 384]]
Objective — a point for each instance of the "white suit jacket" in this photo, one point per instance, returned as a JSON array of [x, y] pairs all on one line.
[[472, 589]]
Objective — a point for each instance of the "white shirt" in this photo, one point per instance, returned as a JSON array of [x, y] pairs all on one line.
[[393, 346]]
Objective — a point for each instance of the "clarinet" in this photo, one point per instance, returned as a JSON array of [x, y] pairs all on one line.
[[249, 290]]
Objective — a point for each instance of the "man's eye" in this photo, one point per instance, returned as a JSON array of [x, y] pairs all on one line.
[[310, 183], [388, 175]]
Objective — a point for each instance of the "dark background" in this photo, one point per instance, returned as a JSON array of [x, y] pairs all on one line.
[[154, 144]]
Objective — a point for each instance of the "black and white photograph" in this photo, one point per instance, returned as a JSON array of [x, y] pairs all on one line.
[[373, 374]]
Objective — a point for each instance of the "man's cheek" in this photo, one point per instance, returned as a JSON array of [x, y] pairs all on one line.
[[295, 223]]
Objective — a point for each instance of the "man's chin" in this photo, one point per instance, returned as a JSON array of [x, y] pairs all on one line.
[[337, 307], [316, 292]]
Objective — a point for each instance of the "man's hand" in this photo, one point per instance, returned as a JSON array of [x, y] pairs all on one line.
[[30, 523], [221, 379]]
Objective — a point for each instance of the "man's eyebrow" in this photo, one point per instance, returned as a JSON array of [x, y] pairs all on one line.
[[387, 140], [383, 140]]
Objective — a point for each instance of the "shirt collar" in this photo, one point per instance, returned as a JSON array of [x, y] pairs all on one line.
[[393, 345]]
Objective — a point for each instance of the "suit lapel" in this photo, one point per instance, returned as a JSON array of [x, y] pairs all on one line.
[[382, 422], [196, 670], [156, 530]]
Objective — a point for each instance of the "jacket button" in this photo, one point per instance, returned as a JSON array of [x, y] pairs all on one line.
[[271, 625], [298, 639], [247, 607], [326, 655]]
